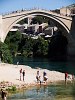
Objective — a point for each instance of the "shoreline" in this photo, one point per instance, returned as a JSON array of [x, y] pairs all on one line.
[[10, 72], [56, 84], [10, 76]]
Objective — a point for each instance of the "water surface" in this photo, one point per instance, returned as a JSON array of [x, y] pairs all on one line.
[[63, 66], [51, 92]]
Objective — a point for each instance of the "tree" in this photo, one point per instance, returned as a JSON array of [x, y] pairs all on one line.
[[40, 47], [23, 21], [5, 53], [13, 40], [28, 47], [38, 19]]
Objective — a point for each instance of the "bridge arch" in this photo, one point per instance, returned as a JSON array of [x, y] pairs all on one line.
[[18, 17], [55, 19]]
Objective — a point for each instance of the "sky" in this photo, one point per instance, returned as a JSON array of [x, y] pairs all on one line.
[[7, 6]]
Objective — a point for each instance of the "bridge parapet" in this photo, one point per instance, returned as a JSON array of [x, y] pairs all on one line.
[[35, 10]]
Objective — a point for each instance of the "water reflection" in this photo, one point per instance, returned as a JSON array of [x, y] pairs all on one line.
[[51, 92], [38, 93]]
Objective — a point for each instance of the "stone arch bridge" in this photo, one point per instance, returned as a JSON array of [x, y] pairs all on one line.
[[9, 20]]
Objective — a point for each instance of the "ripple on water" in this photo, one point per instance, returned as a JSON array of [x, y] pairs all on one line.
[[43, 93]]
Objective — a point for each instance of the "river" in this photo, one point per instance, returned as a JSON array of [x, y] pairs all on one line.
[[62, 66]]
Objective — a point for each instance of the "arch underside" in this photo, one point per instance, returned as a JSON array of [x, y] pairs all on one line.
[[52, 17]]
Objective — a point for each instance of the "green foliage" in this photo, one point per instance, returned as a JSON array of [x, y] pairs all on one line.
[[40, 47], [25, 53], [12, 89], [38, 19], [5, 53], [43, 46], [23, 21], [13, 40], [17, 44], [27, 46]]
